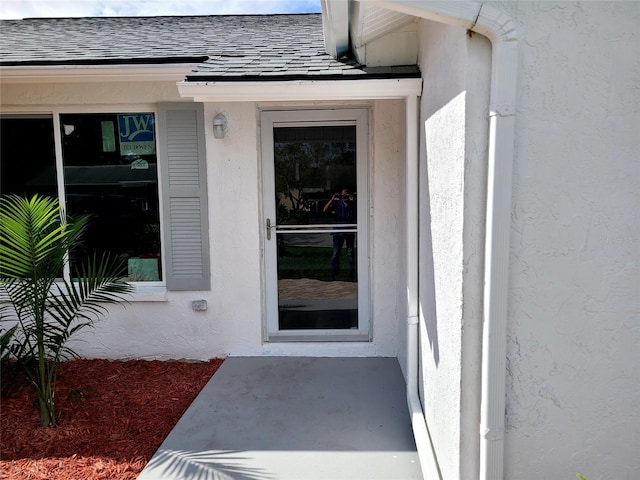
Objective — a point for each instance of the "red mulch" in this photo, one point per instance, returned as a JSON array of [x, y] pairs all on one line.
[[113, 417]]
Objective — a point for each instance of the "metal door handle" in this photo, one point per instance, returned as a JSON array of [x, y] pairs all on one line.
[[268, 229]]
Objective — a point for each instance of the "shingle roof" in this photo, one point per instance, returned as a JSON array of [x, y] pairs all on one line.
[[239, 47]]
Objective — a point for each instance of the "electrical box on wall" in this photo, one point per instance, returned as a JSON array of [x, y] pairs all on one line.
[[199, 305]]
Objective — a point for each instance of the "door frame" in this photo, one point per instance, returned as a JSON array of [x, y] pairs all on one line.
[[359, 117]]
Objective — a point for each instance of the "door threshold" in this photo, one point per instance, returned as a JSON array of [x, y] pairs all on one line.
[[319, 336]]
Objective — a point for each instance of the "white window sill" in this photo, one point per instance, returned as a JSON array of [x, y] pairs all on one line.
[[143, 292], [148, 293]]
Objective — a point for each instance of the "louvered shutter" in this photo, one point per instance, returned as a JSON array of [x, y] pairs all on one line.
[[184, 185]]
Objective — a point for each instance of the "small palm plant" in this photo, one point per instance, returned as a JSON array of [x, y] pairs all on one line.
[[36, 240]]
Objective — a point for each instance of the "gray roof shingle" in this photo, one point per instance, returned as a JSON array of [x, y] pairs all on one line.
[[226, 47]]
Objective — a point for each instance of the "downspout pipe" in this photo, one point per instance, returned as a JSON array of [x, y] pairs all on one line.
[[498, 27]]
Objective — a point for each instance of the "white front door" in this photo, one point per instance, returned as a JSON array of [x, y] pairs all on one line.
[[316, 208]]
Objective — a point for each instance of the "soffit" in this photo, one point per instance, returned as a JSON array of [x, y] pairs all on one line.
[[370, 22]]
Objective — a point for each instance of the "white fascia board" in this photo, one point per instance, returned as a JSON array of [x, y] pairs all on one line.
[[301, 90], [335, 26], [95, 73]]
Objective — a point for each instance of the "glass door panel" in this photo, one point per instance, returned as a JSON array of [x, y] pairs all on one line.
[[316, 227]]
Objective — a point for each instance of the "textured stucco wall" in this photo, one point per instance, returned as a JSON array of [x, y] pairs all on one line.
[[574, 301], [232, 324], [452, 185], [388, 299], [573, 382]]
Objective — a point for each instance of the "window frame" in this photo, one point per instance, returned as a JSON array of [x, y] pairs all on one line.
[[143, 291]]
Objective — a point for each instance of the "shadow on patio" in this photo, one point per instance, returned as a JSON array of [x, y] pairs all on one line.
[[294, 418]]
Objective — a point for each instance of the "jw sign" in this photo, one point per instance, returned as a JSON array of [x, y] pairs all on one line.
[[136, 131]]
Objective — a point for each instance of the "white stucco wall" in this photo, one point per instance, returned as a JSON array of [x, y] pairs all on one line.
[[573, 383], [388, 179], [232, 324], [574, 300], [454, 116]]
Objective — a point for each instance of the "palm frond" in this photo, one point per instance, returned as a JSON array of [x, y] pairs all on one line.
[[99, 283], [36, 240]]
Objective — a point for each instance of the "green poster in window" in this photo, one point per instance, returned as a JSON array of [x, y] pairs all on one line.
[[108, 137], [137, 134]]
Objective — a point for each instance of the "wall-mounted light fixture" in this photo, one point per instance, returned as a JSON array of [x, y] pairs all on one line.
[[219, 126]]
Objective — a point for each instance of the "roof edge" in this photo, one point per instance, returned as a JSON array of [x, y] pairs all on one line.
[[84, 17], [106, 61], [300, 77], [94, 73]]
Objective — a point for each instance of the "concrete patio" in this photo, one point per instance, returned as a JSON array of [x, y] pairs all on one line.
[[285, 418]]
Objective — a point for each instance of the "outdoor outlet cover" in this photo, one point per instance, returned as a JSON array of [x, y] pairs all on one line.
[[199, 305]]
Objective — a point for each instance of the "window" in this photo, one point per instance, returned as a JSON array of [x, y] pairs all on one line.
[[106, 165], [109, 171], [27, 152]]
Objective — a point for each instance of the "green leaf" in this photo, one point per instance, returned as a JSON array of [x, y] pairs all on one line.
[[35, 241]]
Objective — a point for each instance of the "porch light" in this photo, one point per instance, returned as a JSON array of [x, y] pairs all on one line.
[[219, 126]]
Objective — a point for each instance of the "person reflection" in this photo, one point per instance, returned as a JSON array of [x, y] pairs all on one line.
[[343, 209]]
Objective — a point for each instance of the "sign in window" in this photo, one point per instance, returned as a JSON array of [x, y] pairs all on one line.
[[136, 134], [109, 167]]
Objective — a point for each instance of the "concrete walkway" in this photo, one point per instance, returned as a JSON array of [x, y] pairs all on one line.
[[284, 418]]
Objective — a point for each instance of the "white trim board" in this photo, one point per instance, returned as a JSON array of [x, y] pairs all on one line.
[[301, 90], [95, 73]]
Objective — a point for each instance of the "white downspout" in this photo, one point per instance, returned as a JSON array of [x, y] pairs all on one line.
[[496, 275]]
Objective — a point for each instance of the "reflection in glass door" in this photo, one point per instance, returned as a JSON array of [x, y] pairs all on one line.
[[315, 176], [313, 227]]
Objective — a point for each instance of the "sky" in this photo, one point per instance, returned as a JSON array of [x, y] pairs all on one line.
[[11, 9]]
